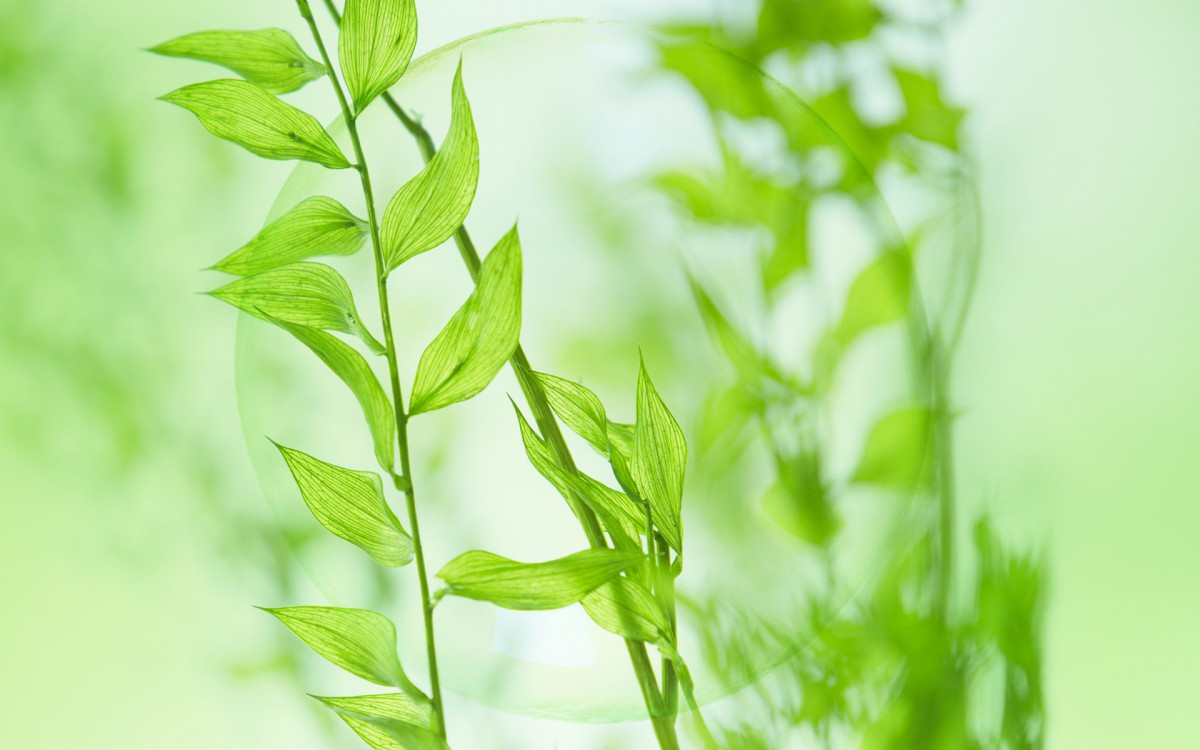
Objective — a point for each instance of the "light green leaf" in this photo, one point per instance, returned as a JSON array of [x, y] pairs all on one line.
[[479, 339], [433, 205], [352, 506], [354, 371], [359, 641], [255, 120], [305, 294], [528, 586], [392, 721], [621, 515], [375, 45], [315, 226], [625, 607], [578, 408], [269, 58], [879, 295], [898, 453], [659, 460]]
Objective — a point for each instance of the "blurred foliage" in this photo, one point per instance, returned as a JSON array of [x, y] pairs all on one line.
[[924, 656]]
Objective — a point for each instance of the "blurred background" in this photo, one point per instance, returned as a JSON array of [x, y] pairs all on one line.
[[141, 523]]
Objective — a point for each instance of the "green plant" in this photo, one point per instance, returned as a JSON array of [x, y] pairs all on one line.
[[624, 580]]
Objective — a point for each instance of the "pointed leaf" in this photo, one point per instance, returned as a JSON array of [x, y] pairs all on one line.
[[305, 294], [433, 205], [396, 706], [625, 607], [354, 371], [578, 408], [352, 506], [620, 514], [479, 339], [898, 451], [359, 641], [316, 226], [375, 45], [268, 58], [659, 460], [255, 120], [533, 586], [392, 721]]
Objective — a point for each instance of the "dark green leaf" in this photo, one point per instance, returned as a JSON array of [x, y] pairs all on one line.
[[479, 339], [659, 460], [269, 58], [578, 408], [316, 226], [250, 117], [352, 506], [627, 608], [433, 205], [304, 294], [898, 451], [359, 641], [375, 45], [354, 371], [529, 586]]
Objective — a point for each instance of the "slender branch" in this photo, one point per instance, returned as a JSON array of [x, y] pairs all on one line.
[[406, 483]]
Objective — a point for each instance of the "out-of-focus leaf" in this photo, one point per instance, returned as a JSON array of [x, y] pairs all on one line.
[[359, 641], [621, 515], [789, 23], [375, 45], [315, 226], [304, 294], [879, 295], [388, 722], [625, 607], [430, 207], [738, 348], [578, 408], [352, 506], [479, 339], [898, 452], [727, 83], [354, 371], [533, 586], [257, 121], [268, 58], [799, 502], [659, 460], [927, 115]]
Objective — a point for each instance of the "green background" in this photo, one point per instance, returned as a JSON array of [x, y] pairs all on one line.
[[126, 611]]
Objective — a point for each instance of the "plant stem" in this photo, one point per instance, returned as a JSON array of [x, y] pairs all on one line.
[[393, 371]]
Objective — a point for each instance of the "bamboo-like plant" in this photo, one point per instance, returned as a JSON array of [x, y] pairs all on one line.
[[625, 578]]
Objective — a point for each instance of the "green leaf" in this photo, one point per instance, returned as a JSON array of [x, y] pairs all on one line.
[[352, 506], [898, 451], [359, 641], [879, 295], [354, 371], [430, 207], [392, 721], [528, 586], [927, 115], [578, 408], [315, 226], [268, 58], [625, 607], [255, 120], [659, 460], [621, 515], [479, 339], [375, 45], [305, 294]]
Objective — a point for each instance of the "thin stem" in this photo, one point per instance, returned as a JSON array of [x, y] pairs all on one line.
[[393, 370]]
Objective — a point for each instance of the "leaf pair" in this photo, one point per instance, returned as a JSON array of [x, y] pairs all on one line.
[[479, 339]]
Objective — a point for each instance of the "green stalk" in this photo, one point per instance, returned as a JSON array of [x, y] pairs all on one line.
[[403, 482]]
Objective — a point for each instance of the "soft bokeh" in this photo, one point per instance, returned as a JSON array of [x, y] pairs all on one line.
[[122, 460]]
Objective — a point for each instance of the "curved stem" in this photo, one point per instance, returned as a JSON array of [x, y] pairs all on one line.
[[393, 371]]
